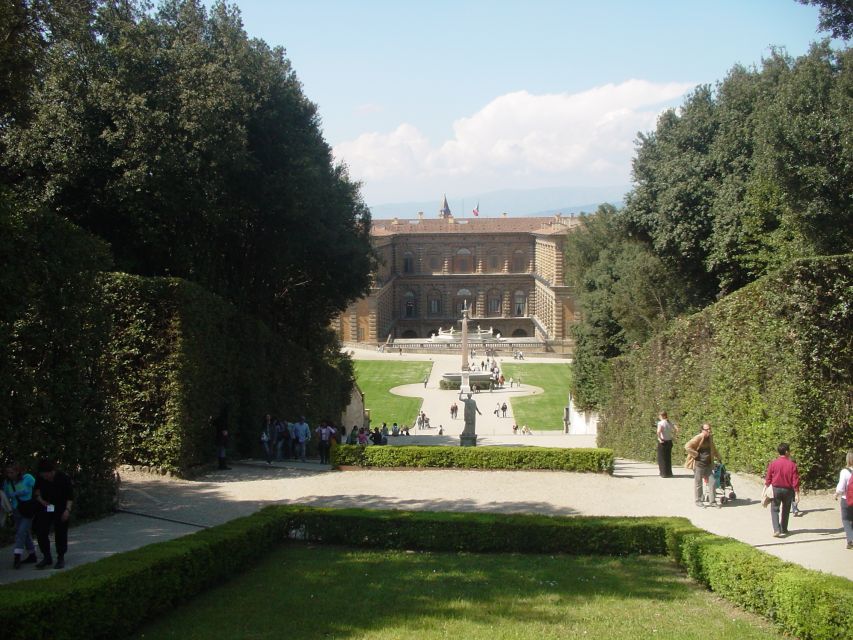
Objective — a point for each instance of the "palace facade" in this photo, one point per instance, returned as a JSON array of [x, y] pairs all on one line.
[[509, 271]]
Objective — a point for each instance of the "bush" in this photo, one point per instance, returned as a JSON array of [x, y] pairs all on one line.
[[772, 362], [595, 460], [180, 358], [805, 603], [113, 596]]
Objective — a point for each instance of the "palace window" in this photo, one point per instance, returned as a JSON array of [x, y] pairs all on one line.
[[408, 262], [519, 262], [494, 303], [409, 307], [463, 261], [520, 303]]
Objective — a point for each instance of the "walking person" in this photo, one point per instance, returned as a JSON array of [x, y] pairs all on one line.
[[325, 433], [267, 431], [503, 409], [55, 494], [18, 488], [701, 454], [844, 495], [783, 476], [301, 435], [666, 432]]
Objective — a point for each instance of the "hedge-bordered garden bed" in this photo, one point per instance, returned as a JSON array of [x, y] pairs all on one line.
[[113, 596], [591, 460]]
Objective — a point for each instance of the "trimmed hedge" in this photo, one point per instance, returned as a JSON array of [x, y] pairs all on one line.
[[53, 330], [772, 362], [180, 358], [113, 596], [594, 460]]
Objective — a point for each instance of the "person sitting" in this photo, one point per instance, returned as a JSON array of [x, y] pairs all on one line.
[[384, 431], [395, 430], [362, 437], [525, 430], [376, 436], [404, 430]]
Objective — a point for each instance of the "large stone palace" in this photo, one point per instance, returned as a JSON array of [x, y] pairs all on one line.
[[509, 271]]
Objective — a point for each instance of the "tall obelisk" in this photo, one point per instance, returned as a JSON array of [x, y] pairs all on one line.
[[464, 383]]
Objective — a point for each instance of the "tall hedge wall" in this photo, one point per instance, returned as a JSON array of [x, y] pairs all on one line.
[[52, 332], [181, 358], [772, 362]]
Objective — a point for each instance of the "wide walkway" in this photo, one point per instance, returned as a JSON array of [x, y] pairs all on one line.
[[178, 507], [156, 509]]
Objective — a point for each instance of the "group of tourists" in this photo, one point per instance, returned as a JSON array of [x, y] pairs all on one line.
[[422, 421], [377, 436], [781, 482], [525, 430], [282, 440], [38, 504]]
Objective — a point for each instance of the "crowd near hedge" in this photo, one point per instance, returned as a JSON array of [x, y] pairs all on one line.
[[593, 460], [772, 362], [182, 361], [100, 369], [112, 597]]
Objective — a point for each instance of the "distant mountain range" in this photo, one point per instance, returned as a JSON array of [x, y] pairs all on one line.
[[515, 202]]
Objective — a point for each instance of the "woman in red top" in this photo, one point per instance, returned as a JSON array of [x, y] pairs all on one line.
[[783, 476]]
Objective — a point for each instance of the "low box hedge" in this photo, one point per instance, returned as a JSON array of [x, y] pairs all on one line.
[[593, 460], [114, 596]]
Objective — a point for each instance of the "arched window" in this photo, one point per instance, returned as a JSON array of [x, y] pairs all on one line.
[[519, 261], [463, 261], [494, 301], [519, 303], [408, 262], [409, 306], [464, 296]]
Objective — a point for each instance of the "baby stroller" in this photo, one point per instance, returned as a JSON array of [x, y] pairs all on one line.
[[719, 485]]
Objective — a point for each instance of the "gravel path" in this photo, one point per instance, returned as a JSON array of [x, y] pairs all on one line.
[[816, 539]]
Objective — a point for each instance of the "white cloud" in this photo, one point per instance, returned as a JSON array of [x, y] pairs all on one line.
[[517, 140]]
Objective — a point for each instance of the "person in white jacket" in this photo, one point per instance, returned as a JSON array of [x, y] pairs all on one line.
[[845, 485]]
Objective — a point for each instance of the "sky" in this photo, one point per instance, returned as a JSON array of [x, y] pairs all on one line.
[[466, 97]]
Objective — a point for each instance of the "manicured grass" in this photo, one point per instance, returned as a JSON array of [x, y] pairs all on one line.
[[377, 377], [303, 591], [542, 412]]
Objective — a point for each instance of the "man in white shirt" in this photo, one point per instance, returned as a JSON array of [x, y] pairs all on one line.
[[666, 431]]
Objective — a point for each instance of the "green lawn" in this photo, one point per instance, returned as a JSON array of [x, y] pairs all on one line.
[[377, 377], [305, 592], [542, 412]]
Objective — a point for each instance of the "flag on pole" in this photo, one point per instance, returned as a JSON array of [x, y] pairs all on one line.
[[476, 210]]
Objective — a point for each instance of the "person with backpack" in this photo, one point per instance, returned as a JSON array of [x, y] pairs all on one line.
[[844, 494]]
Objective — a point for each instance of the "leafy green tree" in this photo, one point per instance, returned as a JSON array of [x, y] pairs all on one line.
[[193, 152], [836, 17]]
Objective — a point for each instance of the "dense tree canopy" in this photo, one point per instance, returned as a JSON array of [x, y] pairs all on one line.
[[742, 178], [193, 152]]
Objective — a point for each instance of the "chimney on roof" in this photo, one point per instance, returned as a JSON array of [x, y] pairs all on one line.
[[504, 214], [395, 221], [420, 215]]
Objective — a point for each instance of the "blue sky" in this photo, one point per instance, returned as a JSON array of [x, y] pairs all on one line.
[[466, 97]]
